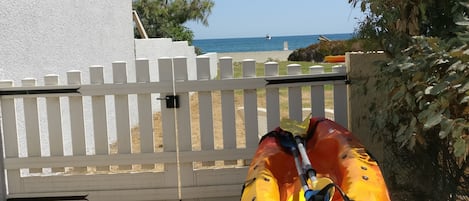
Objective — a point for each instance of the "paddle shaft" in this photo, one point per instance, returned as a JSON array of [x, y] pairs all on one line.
[[306, 162], [289, 142], [300, 171]]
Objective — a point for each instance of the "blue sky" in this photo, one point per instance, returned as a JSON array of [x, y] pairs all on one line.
[[256, 18]]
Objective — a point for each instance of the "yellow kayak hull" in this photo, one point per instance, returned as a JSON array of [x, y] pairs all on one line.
[[335, 154]]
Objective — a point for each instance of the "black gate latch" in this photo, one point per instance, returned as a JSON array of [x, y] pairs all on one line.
[[172, 101]]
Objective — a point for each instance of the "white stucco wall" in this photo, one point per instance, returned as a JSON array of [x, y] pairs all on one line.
[[39, 37], [155, 48]]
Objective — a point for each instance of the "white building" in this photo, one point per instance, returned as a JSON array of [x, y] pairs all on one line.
[[40, 37]]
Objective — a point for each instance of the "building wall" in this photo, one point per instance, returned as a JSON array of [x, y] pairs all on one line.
[[155, 48], [40, 37], [362, 69]]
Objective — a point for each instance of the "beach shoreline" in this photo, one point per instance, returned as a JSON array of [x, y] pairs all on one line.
[[260, 56]]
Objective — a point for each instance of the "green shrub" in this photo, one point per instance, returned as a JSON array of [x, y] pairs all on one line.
[[317, 52], [427, 112]]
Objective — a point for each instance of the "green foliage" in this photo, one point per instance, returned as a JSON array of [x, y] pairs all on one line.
[[317, 52], [166, 18], [424, 120], [429, 89], [393, 23], [427, 110]]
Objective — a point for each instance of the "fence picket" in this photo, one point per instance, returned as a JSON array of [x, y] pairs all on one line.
[[250, 106], [121, 104], [31, 121], [77, 124], [183, 122], [228, 108], [295, 107], [145, 112], [165, 67], [10, 134], [272, 98], [317, 93], [205, 108], [340, 99], [54, 121], [98, 105]]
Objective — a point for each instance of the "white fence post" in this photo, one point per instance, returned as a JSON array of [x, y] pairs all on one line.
[[183, 122], [54, 121], [77, 122], [165, 66], [31, 122], [121, 105], [250, 106], [3, 182], [228, 107], [317, 94], [272, 98], [98, 106], [145, 112], [295, 107], [205, 108], [10, 135], [340, 99]]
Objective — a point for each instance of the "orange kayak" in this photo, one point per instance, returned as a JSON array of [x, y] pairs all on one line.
[[334, 153], [334, 59]]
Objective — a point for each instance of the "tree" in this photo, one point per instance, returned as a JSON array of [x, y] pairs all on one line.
[[425, 119], [427, 115], [166, 18], [392, 23]]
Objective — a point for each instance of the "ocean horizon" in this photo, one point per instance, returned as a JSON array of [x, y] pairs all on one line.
[[265, 43]]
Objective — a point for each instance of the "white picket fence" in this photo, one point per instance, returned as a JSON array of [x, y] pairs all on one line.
[[179, 163]]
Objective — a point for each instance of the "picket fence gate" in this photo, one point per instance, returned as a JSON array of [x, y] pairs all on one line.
[[166, 167]]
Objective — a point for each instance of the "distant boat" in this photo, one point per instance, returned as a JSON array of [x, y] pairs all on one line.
[[268, 37], [323, 38]]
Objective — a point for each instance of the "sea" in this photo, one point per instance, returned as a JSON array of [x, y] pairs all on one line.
[[264, 43]]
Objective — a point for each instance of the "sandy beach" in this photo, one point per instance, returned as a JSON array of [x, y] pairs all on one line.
[[258, 56]]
